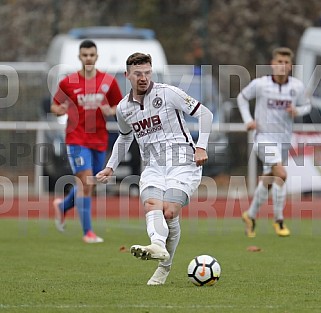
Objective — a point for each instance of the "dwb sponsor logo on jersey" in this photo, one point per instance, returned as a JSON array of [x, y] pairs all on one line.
[[90, 101], [279, 104], [147, 126]]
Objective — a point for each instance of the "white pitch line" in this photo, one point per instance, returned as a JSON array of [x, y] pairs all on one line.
[[129, 306], [133, 306]]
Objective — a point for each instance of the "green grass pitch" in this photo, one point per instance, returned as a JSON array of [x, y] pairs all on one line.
[[46, 271]]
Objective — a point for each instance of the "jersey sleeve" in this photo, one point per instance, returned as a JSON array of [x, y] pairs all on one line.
[[193, 107], [303, 105], [60, 95], [205, 118], [114, 94], [123, 127], [183, 101], [249, 92], [123, 142]]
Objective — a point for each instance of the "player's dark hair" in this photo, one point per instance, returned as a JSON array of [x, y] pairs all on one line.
[[87, 44], [138, 58]]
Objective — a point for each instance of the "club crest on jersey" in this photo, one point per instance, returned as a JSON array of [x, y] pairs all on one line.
[[157, 102], [105, 88], [292, 92]]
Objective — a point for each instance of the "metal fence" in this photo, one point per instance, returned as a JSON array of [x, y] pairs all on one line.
[[21, 153]]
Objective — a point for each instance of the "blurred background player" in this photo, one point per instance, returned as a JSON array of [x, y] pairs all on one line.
[[153, 113], [87, 96], [279, 98]]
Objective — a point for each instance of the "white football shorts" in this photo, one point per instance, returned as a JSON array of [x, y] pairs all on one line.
[[185, 177], [270, 153]]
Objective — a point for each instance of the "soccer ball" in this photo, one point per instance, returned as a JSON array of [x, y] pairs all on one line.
[[204, 270]]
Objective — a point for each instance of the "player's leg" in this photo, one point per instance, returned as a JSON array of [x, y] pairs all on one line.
[[69, 200], [269, 154], [95, 162], [82, 159], [83, 200], [260, 196], [61, 206], [174, 199], [152, 186], [279, 197], [157, 229], [181, 182]]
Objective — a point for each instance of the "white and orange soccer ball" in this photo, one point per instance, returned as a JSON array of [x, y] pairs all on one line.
[[204, 270]]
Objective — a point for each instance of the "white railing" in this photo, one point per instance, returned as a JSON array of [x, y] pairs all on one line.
[[41, 127]]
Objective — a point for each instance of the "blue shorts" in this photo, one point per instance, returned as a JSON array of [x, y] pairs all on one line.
[[82, 158]]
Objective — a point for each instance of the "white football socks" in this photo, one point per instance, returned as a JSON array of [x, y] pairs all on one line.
[[157, 228], [172, 240], [261, 195], [278, 197]]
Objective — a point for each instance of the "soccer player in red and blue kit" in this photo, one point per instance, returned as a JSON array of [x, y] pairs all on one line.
[[87, 96]]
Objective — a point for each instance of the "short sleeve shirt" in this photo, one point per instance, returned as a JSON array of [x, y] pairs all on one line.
[[86, 124]]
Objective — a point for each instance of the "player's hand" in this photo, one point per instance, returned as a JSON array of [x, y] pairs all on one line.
[[107, 110], [292, 111], [251, 125], [59, 109], [104, 175], [200, 156]]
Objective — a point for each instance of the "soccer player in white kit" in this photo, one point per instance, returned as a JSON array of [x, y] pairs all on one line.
[[153, 114], [279, 98]]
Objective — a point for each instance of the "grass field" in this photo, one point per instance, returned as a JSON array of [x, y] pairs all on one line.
[[45, 271]]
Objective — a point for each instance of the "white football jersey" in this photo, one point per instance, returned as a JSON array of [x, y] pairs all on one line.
[[158, 124], [273, 122]]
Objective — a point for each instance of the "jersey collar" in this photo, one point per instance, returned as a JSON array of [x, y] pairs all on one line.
[[274, 81], [149, 89]]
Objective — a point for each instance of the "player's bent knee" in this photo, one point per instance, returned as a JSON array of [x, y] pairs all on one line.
[[171, 211], [152, 204], [169, 214], [281, 176]]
